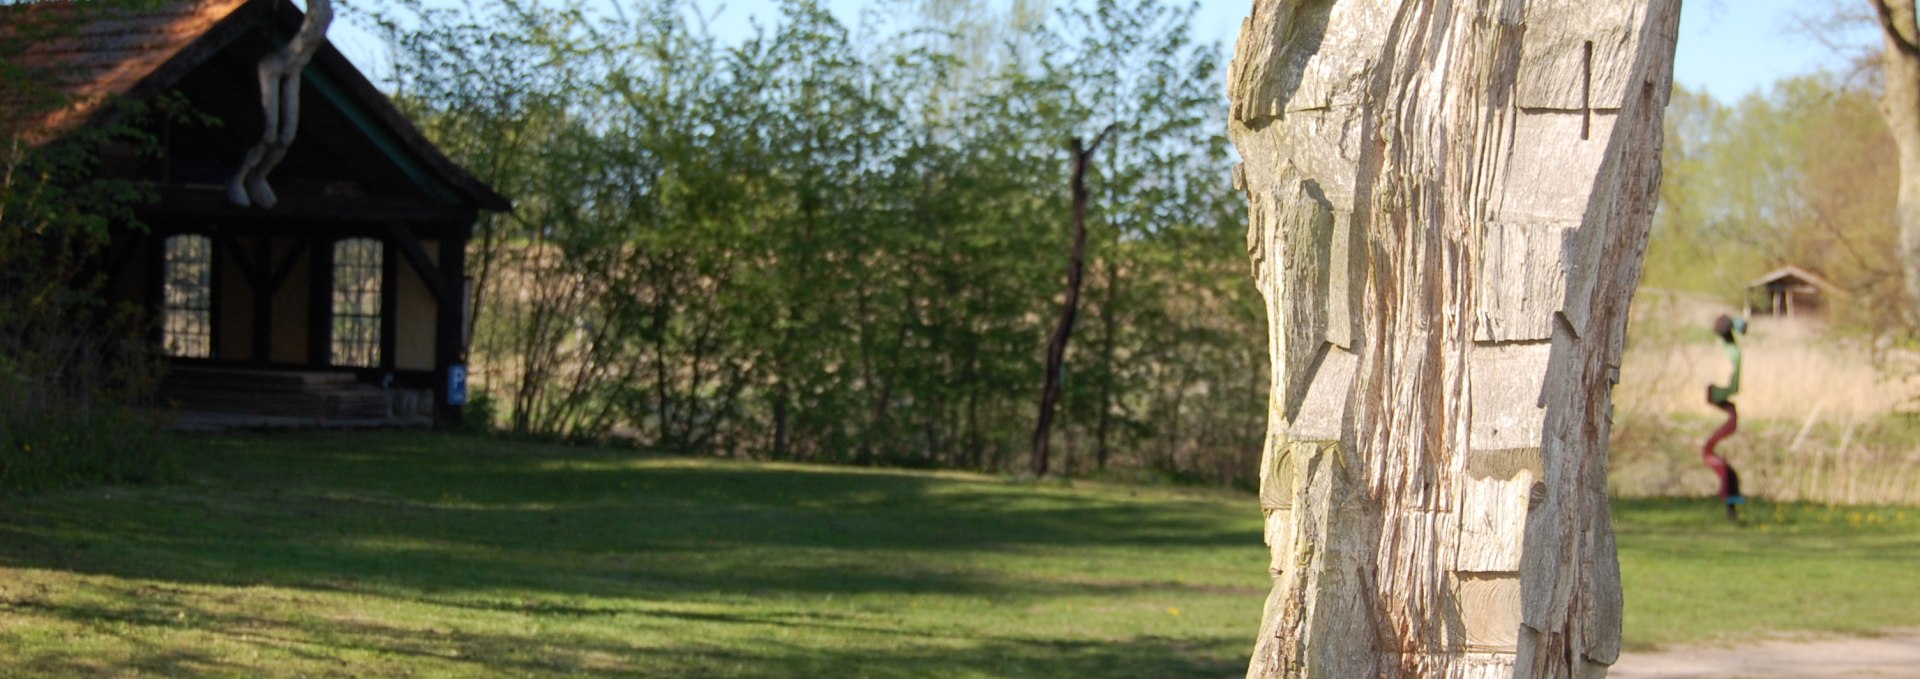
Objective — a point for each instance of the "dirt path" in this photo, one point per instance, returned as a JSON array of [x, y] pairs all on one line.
[[1896, 655]]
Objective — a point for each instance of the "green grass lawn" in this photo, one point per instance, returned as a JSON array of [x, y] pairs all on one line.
[[389, 554], [1689, 575], [380, 555]]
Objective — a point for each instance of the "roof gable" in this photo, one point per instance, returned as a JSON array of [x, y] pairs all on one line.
[[142, 52], [1794, 273]]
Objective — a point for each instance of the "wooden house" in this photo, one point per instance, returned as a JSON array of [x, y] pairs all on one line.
[[347, 300], [1790, 292]]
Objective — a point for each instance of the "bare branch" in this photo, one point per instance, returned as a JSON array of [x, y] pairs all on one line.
[[1101, 138], [1894, 36]]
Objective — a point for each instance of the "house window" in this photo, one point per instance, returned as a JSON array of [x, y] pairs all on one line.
[[356, 302], [187, 309]]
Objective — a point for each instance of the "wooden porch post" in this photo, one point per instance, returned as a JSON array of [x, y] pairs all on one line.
[[448, 349]]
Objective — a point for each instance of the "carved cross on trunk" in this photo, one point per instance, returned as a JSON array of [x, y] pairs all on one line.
[[279, 75]]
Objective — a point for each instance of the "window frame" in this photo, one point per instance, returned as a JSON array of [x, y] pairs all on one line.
[[364, 262], [202, 305]]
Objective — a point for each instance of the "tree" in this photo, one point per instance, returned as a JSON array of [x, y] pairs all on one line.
[[1069, 308], [824, 245], [76, 368], [1448, 204], [1900, 105], [1802, 173]]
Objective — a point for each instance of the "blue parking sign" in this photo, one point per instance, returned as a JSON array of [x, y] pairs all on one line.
[[457, 384]]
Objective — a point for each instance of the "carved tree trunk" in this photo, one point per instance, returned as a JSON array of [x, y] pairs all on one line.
[[1449, 201], [1900, 106]]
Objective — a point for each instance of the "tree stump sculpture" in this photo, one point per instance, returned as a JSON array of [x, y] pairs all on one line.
[[1449, 201]]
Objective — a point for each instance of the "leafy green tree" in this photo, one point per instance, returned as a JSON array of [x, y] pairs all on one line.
[[1801, 174], [73, 369], [823, 245]]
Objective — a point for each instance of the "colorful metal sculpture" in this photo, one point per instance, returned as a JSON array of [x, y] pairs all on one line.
[[1722, 398]]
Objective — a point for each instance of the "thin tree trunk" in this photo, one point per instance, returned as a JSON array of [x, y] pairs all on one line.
[[1900, 106], [663, 412], [780, 420], [1448, 205], [974, 444], [1063, 331], [1109, 326]]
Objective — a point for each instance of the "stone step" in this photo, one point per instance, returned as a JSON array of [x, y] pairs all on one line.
[[255, 380], [316, 395], [359, 402]]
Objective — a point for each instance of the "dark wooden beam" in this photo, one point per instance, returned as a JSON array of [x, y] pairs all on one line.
[[417, 256], [320, 306], [262, 283], [211, 203], [248, 267], [450, 326], [389, 307], [216, 298], [285, 268]]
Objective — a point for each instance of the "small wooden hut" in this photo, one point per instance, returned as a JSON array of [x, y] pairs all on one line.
[[1790, 292], [347, 300]]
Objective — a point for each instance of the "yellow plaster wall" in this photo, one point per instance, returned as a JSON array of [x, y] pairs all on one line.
[[417, 314]]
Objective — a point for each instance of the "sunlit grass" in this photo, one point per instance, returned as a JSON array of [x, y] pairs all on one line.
[[389, 554], [379, 555], [1690, 576]]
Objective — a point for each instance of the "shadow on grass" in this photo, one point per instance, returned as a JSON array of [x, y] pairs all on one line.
[[347, 647], [649, 545]]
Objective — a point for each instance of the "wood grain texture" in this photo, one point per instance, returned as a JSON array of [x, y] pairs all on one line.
[[1448, 204]]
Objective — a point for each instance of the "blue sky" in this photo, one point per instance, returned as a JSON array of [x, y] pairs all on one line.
[[1728, 47], [1735, 47]]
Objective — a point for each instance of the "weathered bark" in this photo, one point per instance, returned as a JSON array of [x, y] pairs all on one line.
[[279, 73], [1449, 201], [1069, 309], [1900, 106]]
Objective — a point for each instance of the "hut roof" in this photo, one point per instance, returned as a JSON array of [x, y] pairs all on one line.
[[1796, 273]]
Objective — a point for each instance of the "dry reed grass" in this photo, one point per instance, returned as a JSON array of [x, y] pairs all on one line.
[[1819, 421]]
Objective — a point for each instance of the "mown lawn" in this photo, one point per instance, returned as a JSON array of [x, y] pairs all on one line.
[[1689, 575], [389, 554], [395, 554]]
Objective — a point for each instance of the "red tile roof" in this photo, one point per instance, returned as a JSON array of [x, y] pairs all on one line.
[[108, 53]]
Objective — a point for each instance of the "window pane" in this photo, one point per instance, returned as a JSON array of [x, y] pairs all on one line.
[[187, 297], [356, 302]]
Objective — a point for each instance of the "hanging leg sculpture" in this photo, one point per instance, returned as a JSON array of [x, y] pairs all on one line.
[[1721, 397], [280, 99]]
